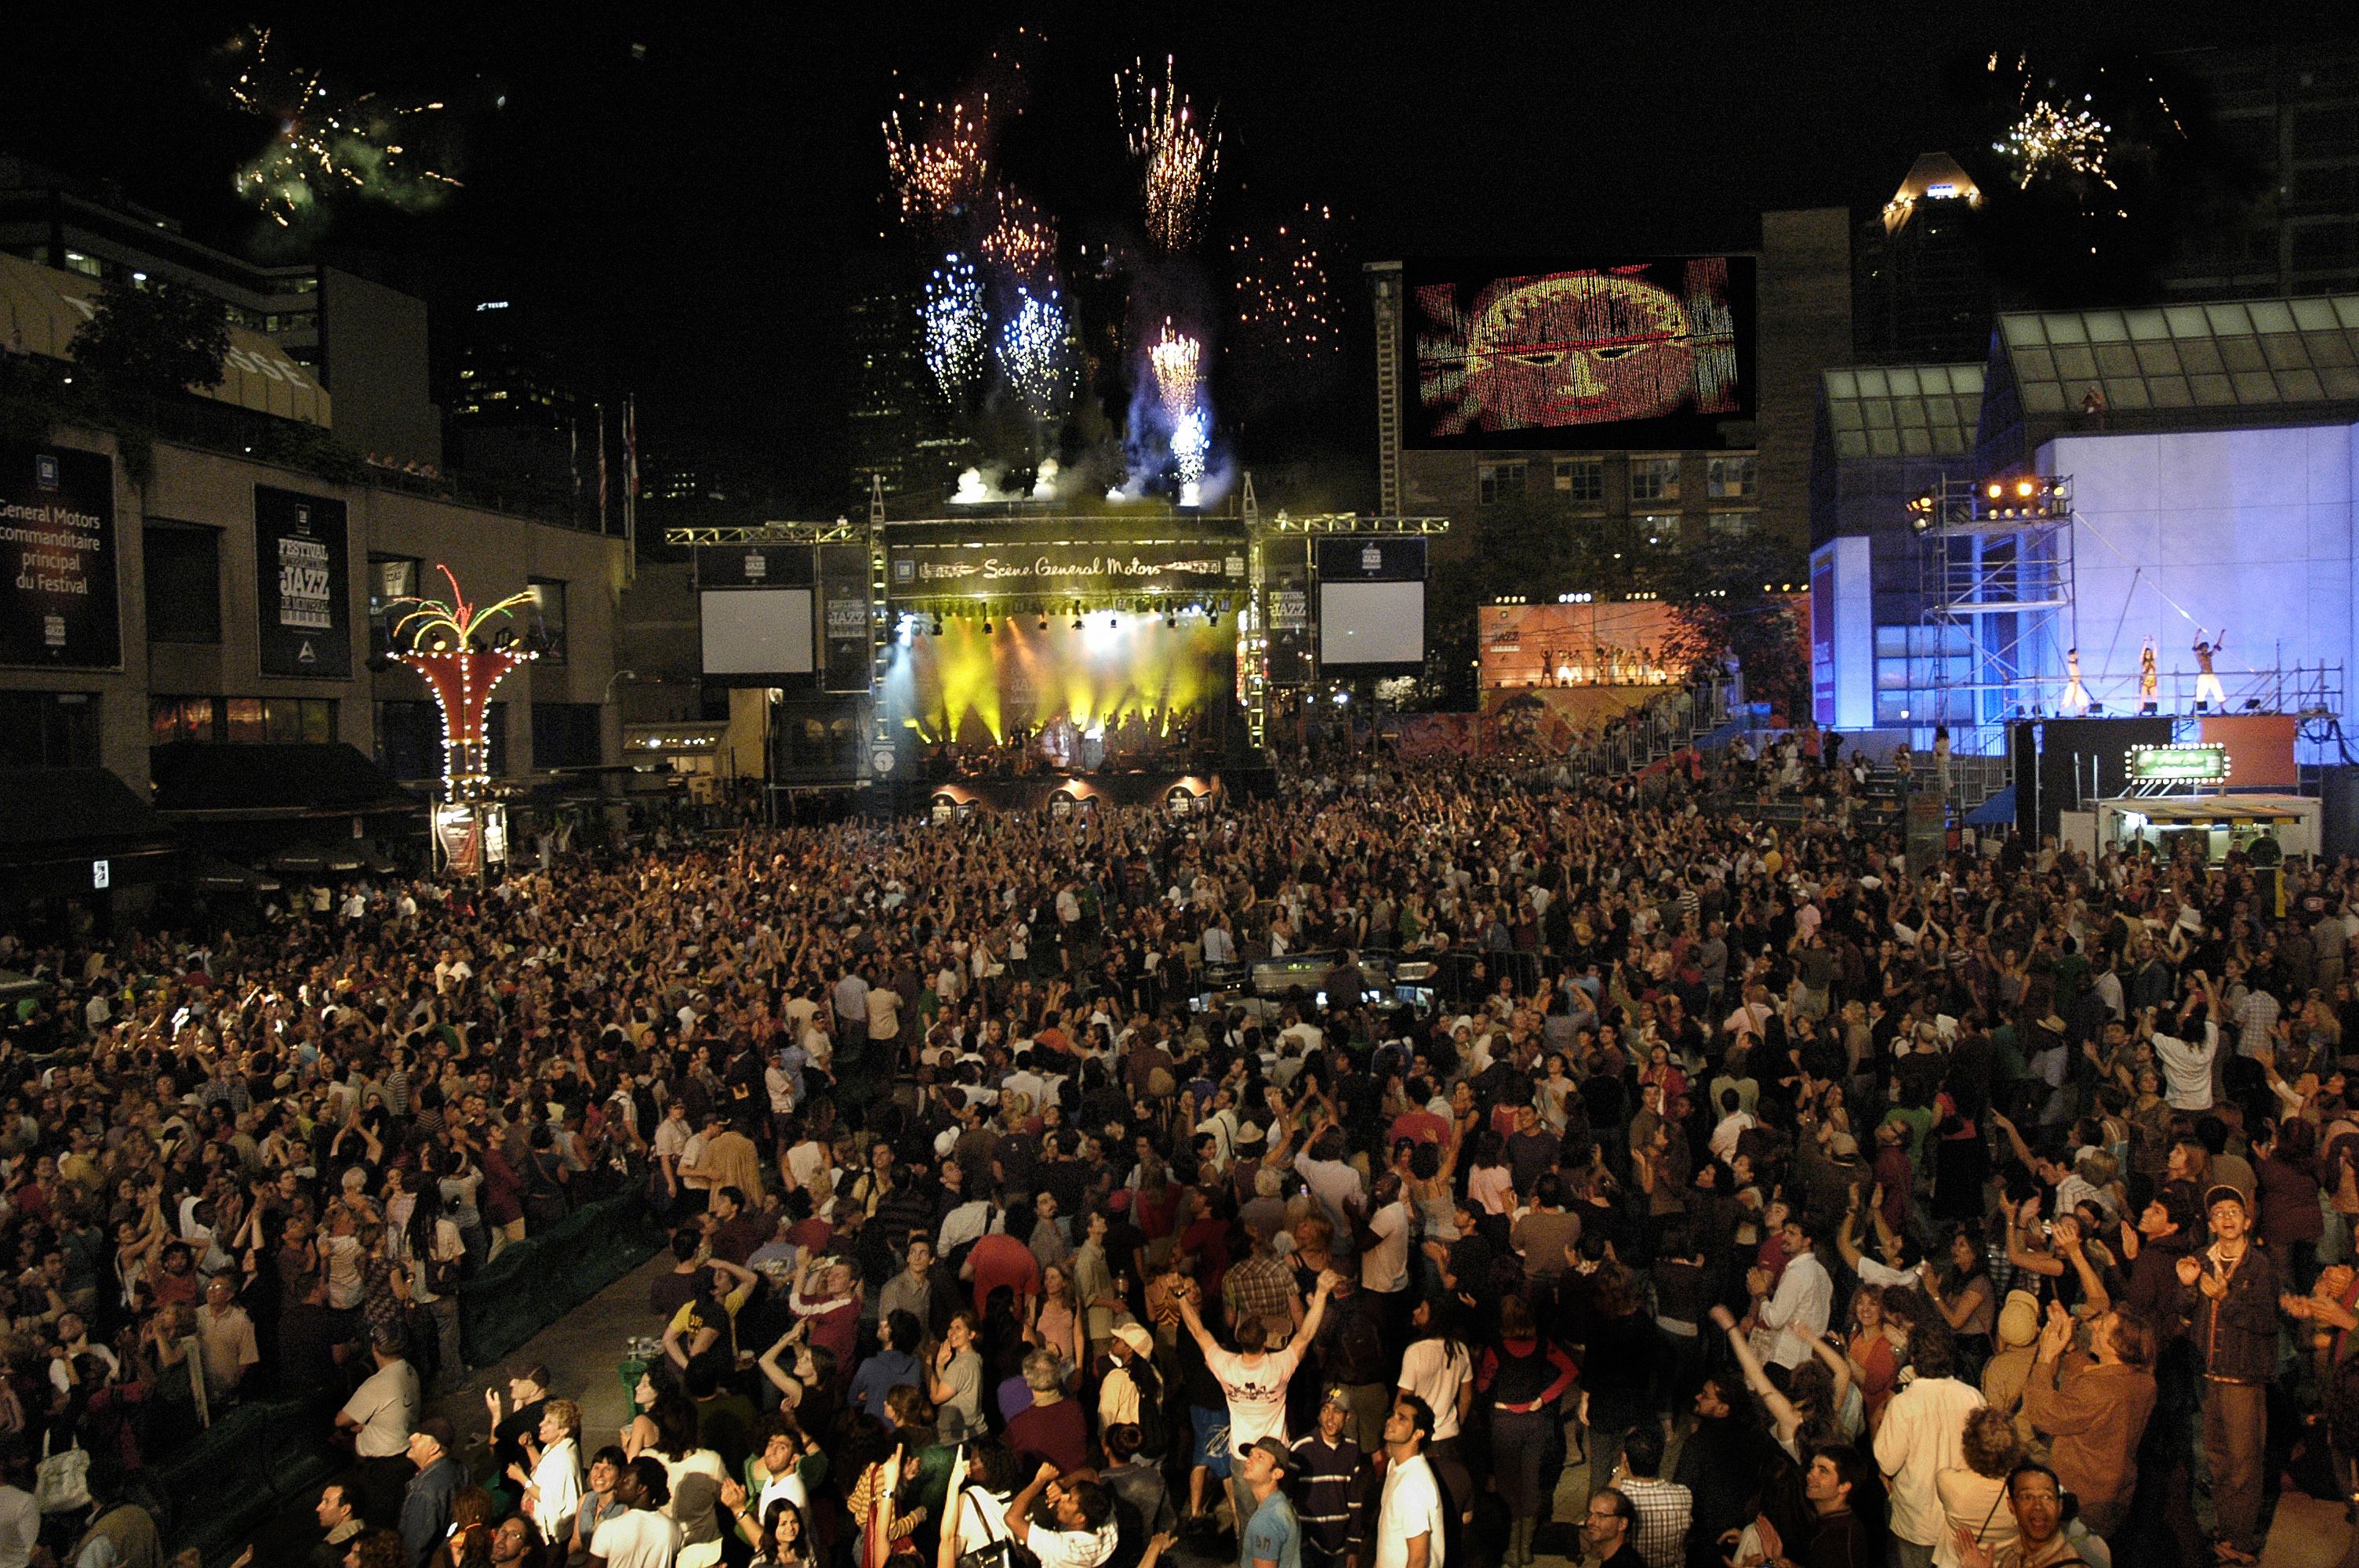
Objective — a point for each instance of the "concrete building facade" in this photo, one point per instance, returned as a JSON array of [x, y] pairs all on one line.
[[196, 608]]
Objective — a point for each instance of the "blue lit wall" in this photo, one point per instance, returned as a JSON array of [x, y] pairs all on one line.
[[2247, 529]]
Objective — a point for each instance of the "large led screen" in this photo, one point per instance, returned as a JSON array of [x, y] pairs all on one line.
[[758, 632], [1371, 623], [1651, 352]]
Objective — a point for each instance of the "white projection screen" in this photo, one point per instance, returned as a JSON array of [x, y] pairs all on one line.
[[758, 632], [1371, 623]]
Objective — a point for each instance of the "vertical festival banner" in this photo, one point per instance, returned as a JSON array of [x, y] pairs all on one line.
[[57, 560], [302, 585], [843, 590], [1287, 562]]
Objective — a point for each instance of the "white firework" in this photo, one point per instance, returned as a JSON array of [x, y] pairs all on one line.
[[953, 321]]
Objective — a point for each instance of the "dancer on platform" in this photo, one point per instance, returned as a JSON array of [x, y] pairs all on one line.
[[2207, 684], [2149, 681], [2076, 696]]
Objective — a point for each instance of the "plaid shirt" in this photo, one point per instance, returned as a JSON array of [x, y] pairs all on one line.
[[1261, 1287], [1665, 1508]]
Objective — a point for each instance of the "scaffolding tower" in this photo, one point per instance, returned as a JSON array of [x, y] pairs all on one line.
[[1994, 585]]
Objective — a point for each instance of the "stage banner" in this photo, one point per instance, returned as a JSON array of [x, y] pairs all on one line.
[[302, 583], [754, 565], [1360, 557], [1286, 599], [57, 560], [1080, 571], [843, 596]]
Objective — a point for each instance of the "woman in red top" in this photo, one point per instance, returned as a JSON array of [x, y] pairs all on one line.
[[1870, 1351], [1664, 1073], [1523, 1379]]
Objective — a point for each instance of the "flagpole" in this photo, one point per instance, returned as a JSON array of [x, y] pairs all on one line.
[[630, 482], [600, 410]]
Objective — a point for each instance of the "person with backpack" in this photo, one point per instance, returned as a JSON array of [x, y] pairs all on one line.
[[1131, 1393]]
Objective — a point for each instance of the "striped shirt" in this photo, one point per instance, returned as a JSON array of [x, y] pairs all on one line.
[[1328, 1497]]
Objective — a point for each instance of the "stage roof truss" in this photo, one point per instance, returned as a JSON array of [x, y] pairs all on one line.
[[1354, 522]]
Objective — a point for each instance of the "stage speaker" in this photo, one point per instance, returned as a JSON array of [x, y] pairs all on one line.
[[1251, 783], [2338, 828]]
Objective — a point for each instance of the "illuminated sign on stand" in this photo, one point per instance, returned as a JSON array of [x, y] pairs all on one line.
[[2178, 764], [463, 670]]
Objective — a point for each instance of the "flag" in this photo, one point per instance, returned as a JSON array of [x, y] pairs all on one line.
[[631, 448]]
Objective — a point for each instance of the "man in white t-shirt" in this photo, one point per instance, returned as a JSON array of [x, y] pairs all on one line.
[[380, 1415], [1085, 1534], [1408, 1518], [1254, 1380], [1438, 1370], [640, 1535], [2187, 1055], [672, 1134]]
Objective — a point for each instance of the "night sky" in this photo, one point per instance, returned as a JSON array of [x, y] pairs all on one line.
[[693, 207]]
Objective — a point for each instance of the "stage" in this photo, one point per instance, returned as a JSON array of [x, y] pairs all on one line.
[[1064, 795]]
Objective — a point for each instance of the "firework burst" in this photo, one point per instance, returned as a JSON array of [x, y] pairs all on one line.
[[1022, 239], [952, 317], [1285, 301], [1192, 436], [1175, 358], [939, 165], [1032, 352], [2050, 141], [1179, 157], [326, 143]]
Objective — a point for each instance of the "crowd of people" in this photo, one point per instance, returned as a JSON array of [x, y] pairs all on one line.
[[1737, 1197]]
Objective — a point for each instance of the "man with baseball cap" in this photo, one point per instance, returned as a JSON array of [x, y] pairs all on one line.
[[2228, 1293], [1327, 1468], [1273, 1537], [426, 1505]]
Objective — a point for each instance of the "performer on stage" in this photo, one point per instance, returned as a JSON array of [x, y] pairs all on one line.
[[2148, 680], [2076, 696], [2207, 684]]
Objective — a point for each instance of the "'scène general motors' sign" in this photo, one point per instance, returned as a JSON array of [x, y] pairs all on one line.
[[1052, 570]]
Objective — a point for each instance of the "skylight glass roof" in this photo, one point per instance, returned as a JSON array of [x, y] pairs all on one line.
[[1904, 411]]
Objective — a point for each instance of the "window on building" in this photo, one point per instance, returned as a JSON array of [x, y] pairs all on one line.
[[1731, 478], [1732, 524], [547, 618], [390, 577], [1581, 479], [1658, 531], [244, 720], [1654, 478], [183, 582], [171, 718], [567, 735], [245, 724], [291, 719], [88, 266], [48, 730], [1923, 675], [1498, 481]]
